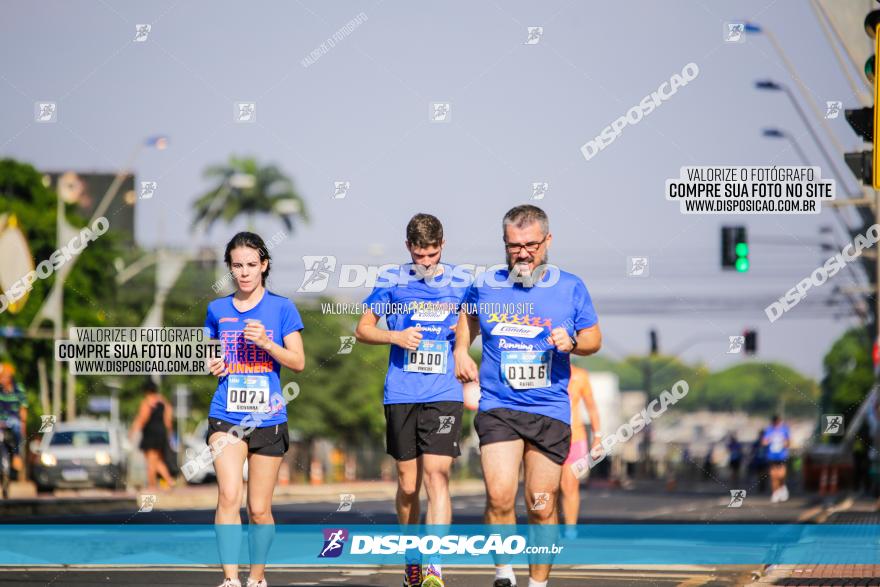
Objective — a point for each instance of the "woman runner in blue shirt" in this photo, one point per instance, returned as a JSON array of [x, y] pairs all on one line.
[[259, 332]]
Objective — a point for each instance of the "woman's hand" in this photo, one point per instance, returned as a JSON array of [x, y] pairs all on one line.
[[256, 333], [217, 367]]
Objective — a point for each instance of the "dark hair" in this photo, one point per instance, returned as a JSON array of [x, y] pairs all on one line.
[[775, 418], [521, 216], [253, 241], [149, 386], [424, 231]]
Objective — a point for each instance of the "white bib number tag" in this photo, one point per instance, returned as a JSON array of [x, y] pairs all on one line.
[[526, 369], [430, 357], [247, 393], [777, 444]]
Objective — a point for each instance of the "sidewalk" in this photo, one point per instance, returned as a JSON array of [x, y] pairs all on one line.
[[855, 512], [24, 499]]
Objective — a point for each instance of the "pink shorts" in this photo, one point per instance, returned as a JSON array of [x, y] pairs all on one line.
[[577, 451]]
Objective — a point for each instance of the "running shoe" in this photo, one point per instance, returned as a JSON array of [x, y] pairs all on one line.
[[230, 583], [783, 493], [260, 583], [432, 577], [503, 583], [412, 576]]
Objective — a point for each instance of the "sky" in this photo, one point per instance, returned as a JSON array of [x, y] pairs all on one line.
[[519, 114]]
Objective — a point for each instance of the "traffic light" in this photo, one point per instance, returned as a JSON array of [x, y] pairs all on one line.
[[863, 120], [734, 248], [751, 342]]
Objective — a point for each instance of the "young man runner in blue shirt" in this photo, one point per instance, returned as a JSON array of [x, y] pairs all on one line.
[[532, 316], [423, 400]]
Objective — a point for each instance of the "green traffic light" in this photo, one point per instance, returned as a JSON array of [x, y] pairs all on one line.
[[742, 265], [742, 249], [869, 69]]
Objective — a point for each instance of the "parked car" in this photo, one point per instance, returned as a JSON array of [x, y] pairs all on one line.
[[82, 453], [193, 444]]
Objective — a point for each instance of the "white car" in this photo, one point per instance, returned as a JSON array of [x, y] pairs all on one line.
[[82, 453]]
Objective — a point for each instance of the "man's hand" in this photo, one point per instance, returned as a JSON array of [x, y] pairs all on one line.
[[597, 443], [407, 339], [466, 369], [561, 339]]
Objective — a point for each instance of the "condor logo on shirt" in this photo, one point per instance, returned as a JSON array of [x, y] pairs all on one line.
[[517, 330], [425, 315], [515, 325], [232, 319]]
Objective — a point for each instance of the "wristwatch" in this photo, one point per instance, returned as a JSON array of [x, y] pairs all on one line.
[[574, 342]]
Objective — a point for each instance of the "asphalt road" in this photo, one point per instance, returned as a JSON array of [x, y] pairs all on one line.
[[379, 577], [598, 506]]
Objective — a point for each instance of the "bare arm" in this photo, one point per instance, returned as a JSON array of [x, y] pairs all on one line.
[[290, 355], [592, 409], [168, 416], [368, 332], [466, 331], [142, 415], [589, 341]]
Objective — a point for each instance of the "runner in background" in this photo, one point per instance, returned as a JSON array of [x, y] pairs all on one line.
[[579, 390], [777, 439], [423, 399], [259, 332]]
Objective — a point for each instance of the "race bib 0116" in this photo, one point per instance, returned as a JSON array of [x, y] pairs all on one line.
[[526, 369]]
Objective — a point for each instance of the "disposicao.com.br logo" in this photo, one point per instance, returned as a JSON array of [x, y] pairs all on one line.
[[322, 271], [451, 544]]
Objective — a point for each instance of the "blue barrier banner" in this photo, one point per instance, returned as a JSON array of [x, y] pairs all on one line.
[[625, 544]]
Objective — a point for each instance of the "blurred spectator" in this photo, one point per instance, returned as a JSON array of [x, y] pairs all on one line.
[[13, 411], [758, 464], [154, 420], [734, 449]]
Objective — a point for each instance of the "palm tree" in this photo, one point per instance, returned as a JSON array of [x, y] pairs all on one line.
[[246, 188]]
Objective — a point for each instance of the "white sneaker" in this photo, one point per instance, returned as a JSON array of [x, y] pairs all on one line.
[[230, 583], [260, 583], [774, 497], [783, 493]]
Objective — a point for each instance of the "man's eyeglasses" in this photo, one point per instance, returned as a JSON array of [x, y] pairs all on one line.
[[515, 248]]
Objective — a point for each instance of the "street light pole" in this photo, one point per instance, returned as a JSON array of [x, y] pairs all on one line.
[[771, 85], [53, 306]]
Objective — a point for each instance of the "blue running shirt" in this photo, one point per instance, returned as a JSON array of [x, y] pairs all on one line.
[[432, 306], [243, 358], [776, 437], [515, 323]]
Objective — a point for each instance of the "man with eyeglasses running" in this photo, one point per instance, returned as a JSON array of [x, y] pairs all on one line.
[[532, 317]]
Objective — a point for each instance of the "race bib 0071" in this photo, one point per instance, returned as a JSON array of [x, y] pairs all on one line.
[[247, 393]]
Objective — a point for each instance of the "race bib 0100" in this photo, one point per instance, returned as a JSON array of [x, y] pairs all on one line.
[[430, 357]]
